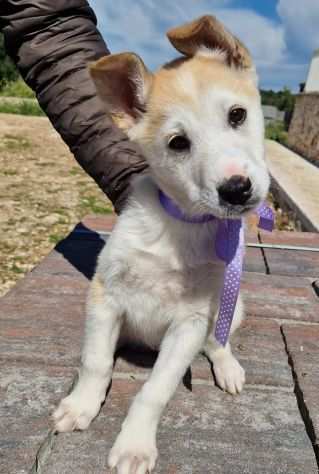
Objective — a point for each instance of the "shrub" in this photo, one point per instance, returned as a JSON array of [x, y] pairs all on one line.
[[21, 107], [17, 88], [276, 131], [8, 71]]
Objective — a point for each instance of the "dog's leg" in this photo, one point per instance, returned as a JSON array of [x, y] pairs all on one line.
[[103, 325], [135, 450], [230, 375]]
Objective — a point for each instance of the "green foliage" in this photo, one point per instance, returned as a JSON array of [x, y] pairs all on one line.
[[16, 269], [17, 88], [8, 71], [276, 131], [283, 100], [11, 84], [21, 107]]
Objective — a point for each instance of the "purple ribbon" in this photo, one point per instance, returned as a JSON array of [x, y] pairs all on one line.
[[229, 247]]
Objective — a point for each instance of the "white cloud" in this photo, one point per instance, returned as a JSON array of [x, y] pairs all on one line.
[[301, 22], [264, 38], [140, 26]]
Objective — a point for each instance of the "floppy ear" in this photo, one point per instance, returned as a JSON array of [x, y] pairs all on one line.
[[122, 82], [209, 32]]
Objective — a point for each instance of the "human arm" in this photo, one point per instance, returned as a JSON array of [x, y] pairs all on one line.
[[52, 43]]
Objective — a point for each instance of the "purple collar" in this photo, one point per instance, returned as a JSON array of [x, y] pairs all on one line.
[[173, 210], [229, 247]]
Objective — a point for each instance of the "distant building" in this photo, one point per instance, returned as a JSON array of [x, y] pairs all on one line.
[[303, 134], [272, 114], [312, 82]]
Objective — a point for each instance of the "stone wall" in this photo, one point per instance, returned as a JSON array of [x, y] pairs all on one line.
[[303, 136]]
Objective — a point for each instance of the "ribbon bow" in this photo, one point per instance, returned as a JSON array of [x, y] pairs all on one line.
[[229, 247]]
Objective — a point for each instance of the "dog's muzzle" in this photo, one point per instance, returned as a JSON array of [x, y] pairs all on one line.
[[236, 190]]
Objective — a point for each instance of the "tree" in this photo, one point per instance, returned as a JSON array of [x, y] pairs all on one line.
[[8, 71], [284, 100]]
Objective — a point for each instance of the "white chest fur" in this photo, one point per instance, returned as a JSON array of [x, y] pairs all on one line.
[[160, 268]]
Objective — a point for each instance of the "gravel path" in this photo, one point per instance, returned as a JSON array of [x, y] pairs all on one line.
[[43, 194]]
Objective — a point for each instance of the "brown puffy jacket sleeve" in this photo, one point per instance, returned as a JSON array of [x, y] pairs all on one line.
[[51, 42]]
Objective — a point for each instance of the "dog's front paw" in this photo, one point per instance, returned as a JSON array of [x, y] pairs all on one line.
[[230, 375], [133, 453], [75, 413]]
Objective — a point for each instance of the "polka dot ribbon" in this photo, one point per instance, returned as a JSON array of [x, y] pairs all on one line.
[[229, 247]]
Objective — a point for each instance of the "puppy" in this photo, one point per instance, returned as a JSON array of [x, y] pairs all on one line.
[[199, 123]]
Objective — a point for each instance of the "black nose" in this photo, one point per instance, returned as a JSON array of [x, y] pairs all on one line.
[[236, 190]]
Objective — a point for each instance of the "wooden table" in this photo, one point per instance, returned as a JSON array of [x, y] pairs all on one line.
[[272, 427]]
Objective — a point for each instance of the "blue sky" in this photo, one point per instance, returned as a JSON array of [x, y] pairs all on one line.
[[281, 34]]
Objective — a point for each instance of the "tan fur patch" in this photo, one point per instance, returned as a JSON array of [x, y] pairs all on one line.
[[97, 290], [170, 87]]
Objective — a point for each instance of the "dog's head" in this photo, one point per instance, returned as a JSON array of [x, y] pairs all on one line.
[[198, 119]]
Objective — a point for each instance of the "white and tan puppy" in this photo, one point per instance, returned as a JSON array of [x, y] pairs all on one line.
[[199, 123]]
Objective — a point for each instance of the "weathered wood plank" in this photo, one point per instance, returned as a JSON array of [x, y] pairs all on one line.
[[104, 223], [43, 316], [307, 239], [47, 327], [28, 394], [303, 348], [292, 263], [280, 297], [202, 431], [258, 345], [254, 261]]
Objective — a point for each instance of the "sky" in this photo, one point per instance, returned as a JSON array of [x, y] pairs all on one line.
[[280, 34]]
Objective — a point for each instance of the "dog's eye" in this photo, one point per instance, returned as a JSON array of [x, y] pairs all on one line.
[[237, 116], [179, 143]]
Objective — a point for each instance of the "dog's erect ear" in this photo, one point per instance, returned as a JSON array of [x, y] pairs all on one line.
[[209, 32], [122, 82]]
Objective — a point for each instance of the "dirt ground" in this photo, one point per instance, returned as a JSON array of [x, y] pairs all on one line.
[[43, 194]]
